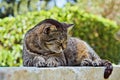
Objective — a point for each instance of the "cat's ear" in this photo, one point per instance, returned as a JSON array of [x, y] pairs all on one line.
[[67, 25], [46, 30], [49, 28]]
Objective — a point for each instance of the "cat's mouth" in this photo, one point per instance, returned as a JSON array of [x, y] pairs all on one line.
[[57, 50]]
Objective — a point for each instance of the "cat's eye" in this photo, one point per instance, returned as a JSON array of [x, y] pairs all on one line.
[[51, 40]]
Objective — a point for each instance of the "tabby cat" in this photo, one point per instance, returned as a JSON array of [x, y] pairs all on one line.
[[48, 45]]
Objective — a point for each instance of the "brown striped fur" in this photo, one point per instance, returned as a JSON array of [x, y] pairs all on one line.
[[47, 45]]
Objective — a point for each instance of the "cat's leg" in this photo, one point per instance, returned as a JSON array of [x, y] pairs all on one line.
[[108, 68], [27, 59], [86, 62], [107, 64], [55, 61], [27, 62], [39, 61], [52, 62], [92, 59], [90, 62], [33, 59], [98, 62]]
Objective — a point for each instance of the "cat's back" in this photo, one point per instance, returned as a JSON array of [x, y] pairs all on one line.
[[76, 44], [75, 51], [72, 41]]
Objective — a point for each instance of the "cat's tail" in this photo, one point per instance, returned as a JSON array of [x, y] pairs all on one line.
[[108, 68]]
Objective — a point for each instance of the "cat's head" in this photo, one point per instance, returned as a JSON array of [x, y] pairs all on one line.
[[53, 36]]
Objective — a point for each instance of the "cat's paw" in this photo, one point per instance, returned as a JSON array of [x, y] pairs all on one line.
[[108, 69], [97, 62], [39, 61], [86, 62], [52, 62]]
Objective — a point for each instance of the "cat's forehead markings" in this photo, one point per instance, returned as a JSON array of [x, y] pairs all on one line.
[[53, 27]]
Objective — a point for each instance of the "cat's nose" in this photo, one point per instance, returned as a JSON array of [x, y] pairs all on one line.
[[61, 50], [62, 46]]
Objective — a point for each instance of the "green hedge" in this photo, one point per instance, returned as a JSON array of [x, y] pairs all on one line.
[[97, 31]]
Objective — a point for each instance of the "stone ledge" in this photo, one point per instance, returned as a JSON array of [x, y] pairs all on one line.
[[58, 73]]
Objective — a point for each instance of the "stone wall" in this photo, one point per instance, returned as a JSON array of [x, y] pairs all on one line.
[[58, 73]]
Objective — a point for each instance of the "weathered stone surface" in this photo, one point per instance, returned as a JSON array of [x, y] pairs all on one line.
[[58, 73]]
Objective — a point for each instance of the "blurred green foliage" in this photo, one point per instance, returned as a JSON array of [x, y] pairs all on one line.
[[95, 30]]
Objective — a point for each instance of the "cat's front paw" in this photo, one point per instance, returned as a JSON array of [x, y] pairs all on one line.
[[86, 62], [39, 61], [108, 69], [52, 62], [97, 62]]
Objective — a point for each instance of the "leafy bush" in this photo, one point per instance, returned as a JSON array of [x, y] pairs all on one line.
[[97, 31]]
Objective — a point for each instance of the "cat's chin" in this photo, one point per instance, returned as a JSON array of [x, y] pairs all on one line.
[[58, 52]]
